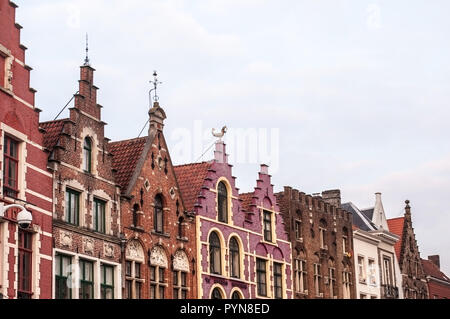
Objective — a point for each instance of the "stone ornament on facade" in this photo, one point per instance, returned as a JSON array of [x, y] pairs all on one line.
[[134, 251], [108, 250], [88, 245], [180, 261], [158, 257], [65, 239]]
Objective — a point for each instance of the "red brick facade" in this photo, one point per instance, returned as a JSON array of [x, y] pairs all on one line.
[[438, 282], [86, 211], [318, 228], [160, 250], [30, 182]]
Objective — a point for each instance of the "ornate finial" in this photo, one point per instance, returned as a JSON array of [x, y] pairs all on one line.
[[86, 60], [221, 134], [155, 83], [407, 202]]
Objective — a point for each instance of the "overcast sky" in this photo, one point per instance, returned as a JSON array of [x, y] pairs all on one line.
[[357, 90]]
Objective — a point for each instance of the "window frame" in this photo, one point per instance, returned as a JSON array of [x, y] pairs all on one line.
[[158, 216], [84, 283], [60, 278], [234, 253], [267, 221], [215, 251], [180, 285], [9, 158], [99, 203], [278, 280], [157, 282], [261, 277], [70, 195], [222, 202], [104, 286], [87, 154], [25, 265]]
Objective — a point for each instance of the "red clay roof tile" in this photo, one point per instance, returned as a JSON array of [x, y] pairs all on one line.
[[190, 179], [432, 270], [53, 130], [126, 155], [396, 226], [246, 200]]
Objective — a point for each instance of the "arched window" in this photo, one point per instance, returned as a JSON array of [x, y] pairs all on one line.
[[234, 258], [236, 295], [222, 201], [87, 154], [159, 214], [216, 294], [215, 262]]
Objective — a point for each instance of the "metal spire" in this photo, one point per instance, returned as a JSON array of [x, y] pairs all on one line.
[[155, 83], [86, 60]]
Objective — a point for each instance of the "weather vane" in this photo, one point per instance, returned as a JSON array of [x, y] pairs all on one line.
[[86, 60], [155, 83], [220, 134]]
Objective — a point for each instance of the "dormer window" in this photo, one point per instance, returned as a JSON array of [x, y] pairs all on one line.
[[87, 154], [222, 202]]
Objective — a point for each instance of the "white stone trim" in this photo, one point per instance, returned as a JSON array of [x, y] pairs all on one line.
[[48, 199], [39, 170]]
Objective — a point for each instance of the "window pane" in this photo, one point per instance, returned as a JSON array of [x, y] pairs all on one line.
[[183, 279], [152, 273], [161, 275]]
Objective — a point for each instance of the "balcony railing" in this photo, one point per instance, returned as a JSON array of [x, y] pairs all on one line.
[[389, 292]]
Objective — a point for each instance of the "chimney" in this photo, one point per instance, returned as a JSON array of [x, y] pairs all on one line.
[[220, 153], [435, 259], [332, 197], [379, 216], [157, 117], [264, 169]]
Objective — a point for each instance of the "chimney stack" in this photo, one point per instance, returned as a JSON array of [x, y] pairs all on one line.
[[332, 197], [435, 259], [219, 154]]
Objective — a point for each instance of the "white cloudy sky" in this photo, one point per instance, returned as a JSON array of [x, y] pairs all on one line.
[[358, 89]]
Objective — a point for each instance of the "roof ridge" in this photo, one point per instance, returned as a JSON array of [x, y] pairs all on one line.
[[129, 140], [54, 121], [190, 164], [401, 217]]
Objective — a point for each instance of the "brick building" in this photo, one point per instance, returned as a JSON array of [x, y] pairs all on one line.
[[242, 248], [438, 282], [322, 244], [25, 254], [159, 260], [414, 280], [86, 218]]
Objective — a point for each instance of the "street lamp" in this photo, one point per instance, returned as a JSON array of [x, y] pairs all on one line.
[[24, 218]]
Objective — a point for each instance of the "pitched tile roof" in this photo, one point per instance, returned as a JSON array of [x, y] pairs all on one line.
[[396, 226], [53, 130], [126, 155], [432, 270], [246, 200], [190, 179]]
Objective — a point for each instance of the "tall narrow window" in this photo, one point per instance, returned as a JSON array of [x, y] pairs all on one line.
[[322, 234], [298, 230], [180, 227], [159, 214], [372, 273], [99, 215], [278, 280], [133, 280], [301, 283], [180, 288], [25, 266], [267, 226], [157, 282], [387, 271], [62, 273], [222, 202], [361, 270], [235, 258], [10, 167], [345, 247], [215, 260], [346, 280], [261, 277], [86, 279], [107, 281], [136, 215], [72, 207], [318, 280], [332, 279], [87, 155]]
